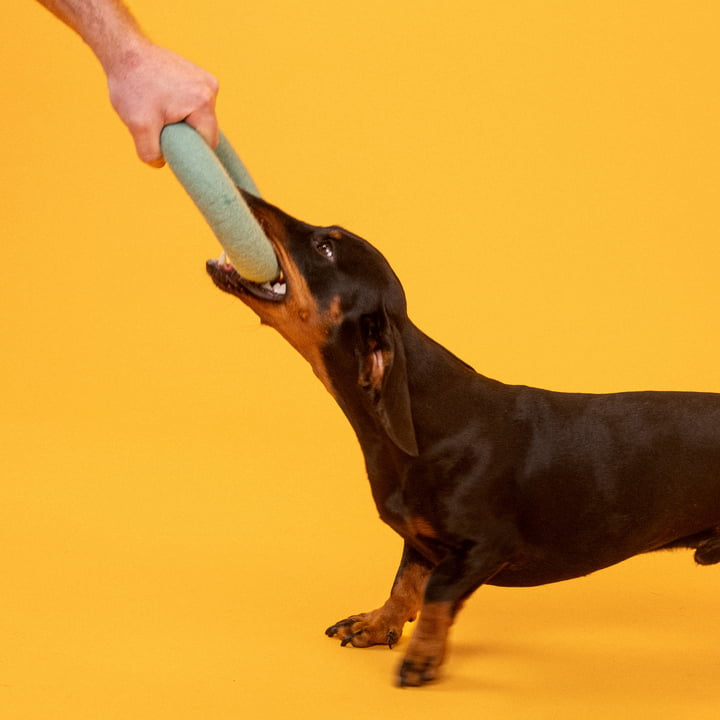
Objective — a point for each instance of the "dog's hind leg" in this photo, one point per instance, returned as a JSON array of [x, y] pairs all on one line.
[[708, 551]]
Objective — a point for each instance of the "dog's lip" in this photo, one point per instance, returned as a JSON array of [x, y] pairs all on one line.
[[227, 278]]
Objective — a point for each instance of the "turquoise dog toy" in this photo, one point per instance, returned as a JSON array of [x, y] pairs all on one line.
[[210, 178]]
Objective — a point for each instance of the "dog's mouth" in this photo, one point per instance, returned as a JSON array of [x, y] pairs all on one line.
[[228, 279]]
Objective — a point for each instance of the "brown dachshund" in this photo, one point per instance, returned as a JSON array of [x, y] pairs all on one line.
[[486, 483]]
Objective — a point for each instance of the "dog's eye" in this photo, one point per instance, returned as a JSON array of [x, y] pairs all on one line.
[[325, 247]]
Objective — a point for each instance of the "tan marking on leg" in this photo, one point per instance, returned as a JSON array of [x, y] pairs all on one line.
[[384, 626], [427, 646]]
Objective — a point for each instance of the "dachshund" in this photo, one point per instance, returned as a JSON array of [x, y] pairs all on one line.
[[486, 483]]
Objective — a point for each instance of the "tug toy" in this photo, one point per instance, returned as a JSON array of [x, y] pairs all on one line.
[[210, 178]]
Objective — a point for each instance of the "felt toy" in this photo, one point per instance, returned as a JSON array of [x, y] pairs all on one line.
[[210, 178]]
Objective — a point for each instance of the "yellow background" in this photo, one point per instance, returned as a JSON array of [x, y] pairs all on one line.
[[183, 509]]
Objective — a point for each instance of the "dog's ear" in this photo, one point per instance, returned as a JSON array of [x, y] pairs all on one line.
[[382, 374]]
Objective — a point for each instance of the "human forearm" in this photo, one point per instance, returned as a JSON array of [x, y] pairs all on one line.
[[107, 26], [150, 86]]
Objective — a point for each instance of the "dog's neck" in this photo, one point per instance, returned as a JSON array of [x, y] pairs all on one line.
[[438, 385]]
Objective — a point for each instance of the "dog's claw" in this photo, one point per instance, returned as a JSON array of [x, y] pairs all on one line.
[[365, 630], [415, 674], [347, 640], [332, 631]]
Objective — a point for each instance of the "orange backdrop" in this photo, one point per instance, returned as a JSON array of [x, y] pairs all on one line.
[[183, 509]]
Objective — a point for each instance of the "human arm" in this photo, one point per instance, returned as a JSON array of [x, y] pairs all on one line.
[[150, 86]]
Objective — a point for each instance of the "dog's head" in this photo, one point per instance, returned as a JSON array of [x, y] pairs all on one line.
[[338, 302]]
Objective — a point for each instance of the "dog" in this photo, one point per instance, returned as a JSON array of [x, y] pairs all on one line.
[[486, 483]]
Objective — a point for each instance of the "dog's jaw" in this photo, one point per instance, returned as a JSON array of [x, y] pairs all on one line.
[[229, 280]]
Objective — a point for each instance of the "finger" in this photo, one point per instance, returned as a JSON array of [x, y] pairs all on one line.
[[147, 145], [206, 124]]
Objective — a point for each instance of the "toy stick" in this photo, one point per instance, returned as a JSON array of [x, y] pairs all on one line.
[[210, 178]]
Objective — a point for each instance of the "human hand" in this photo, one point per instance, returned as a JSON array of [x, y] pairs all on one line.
[[151, 87]]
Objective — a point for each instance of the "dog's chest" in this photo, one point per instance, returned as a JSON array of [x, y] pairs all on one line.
[[410, 523]]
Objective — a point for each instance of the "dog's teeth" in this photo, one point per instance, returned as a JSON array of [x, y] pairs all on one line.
[[224, 260], [276, 287]]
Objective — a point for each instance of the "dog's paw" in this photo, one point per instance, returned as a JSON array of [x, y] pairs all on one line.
[[708, 552], [414, 672], [427, 647], [366, 629]]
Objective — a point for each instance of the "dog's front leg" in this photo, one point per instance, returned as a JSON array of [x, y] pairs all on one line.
[[384, 626], [453, 580]]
